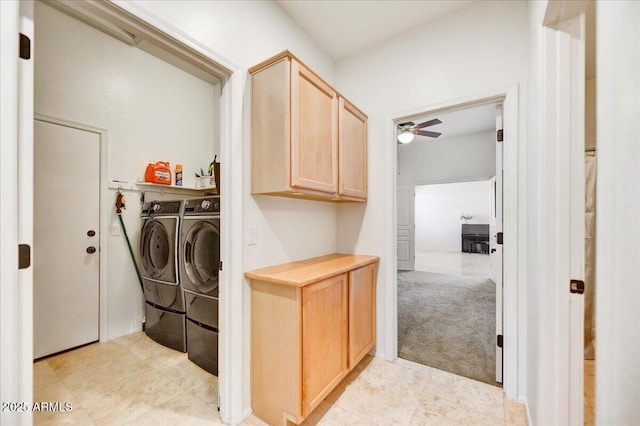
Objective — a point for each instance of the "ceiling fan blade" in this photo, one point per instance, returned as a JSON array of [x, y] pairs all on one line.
[[428, 134], [428, 123]]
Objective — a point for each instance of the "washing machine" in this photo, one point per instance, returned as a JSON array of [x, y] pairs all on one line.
[[199, 268], [164, 300]]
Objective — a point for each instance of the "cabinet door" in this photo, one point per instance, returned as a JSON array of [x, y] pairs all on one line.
[[352, 156], [324, 339], [314, 132], [362, 312]]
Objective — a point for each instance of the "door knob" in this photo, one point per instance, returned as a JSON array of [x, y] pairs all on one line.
[[91, 232], [493, 250], [91, 250]]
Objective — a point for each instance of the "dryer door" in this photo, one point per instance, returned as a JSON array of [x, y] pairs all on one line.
[[201, 254], [157, 249]]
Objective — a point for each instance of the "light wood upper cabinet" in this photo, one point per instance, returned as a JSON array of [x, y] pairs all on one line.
[[353, 151], [314, 132], [307, 141]]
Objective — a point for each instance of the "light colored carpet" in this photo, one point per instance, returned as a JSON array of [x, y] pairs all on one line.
[[448, 322]]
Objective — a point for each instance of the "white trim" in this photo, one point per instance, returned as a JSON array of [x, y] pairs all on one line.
[[231, 349], [561, 224], [168, 34], [103, 205], [527, 411], [512, 239], [12, 385], [577, 215], [25, 211]]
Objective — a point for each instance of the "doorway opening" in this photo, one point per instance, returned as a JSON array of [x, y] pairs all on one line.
[[590, 172], [449, 253], [133, 68]]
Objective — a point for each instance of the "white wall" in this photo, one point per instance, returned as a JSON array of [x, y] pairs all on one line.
[[438, 209], [454, 159], [151, 111], [479, 49], [618, 204]]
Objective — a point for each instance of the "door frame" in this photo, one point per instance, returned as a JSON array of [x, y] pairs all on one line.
[[514, 318], [18, 382], [563, 119], [16, 214], [103, 205]]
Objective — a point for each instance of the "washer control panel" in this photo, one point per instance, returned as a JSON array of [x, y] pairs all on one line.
[[161, 208]]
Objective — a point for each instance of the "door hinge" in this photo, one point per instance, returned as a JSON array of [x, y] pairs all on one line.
[[25, 47], [499, 340], [576, 286], [499, 238], [24, 256], [500, 135], [220, 265]]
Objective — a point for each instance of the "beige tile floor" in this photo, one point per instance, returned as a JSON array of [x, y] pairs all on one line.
[[127, 381], [454, 263], [134, 381], [589, 392]]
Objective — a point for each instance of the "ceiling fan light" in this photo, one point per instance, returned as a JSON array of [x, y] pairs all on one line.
[[405, 137]]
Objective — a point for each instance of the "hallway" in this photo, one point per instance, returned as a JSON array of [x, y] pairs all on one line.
[[133, 380]]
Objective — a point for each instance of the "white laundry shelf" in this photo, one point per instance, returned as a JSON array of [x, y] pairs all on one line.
[[156, 187]]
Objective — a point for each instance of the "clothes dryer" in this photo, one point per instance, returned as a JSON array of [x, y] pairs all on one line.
[[199, 269], [164, 299]]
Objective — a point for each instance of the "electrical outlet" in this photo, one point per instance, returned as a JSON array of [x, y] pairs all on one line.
[[252, 235], [115, 230]]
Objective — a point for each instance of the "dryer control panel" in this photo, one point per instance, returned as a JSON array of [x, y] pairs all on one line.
[[208, 205]]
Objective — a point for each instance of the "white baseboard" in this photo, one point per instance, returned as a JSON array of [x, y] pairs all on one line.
[[528, 413], [245, 414]]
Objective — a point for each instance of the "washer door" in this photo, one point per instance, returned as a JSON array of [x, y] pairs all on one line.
[[202, 257], [157, 249]]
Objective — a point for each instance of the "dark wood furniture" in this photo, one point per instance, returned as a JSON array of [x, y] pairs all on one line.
[[475, 238]]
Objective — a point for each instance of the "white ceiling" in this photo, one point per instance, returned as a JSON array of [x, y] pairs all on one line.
[[457, 123], [343, 27]]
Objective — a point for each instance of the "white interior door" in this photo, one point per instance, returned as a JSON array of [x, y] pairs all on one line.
[[496, 239], [406, 228], [66, 214]]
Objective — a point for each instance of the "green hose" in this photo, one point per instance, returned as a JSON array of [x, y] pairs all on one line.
[[119, 206], [133, 259]]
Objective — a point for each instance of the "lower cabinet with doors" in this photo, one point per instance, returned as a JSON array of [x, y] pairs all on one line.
[[312, 322]]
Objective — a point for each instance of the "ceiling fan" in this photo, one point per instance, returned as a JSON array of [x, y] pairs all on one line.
[[409, 129]]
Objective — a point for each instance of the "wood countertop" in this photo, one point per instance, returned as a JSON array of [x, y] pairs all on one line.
[[308, 271]]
